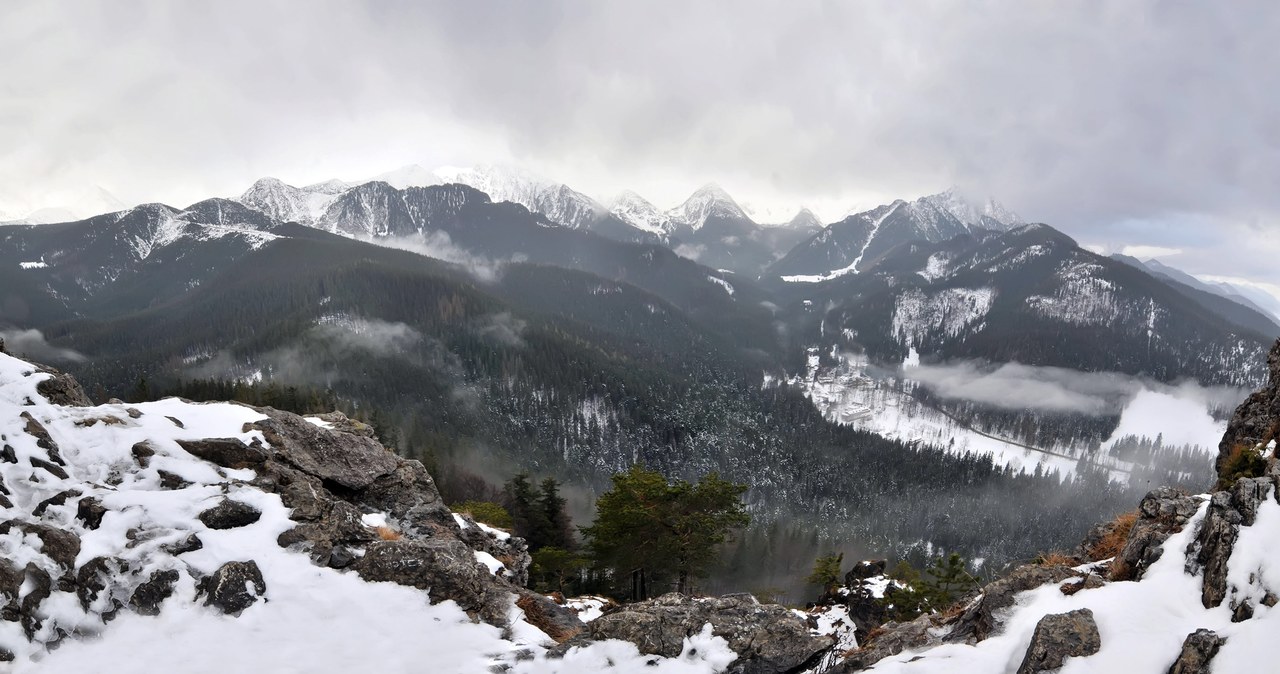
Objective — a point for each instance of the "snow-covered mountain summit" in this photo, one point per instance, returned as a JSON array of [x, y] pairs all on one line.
[[287, 203], [640, 213], [708, 201]]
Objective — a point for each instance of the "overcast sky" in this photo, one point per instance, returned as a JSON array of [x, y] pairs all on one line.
[[1127, 123]]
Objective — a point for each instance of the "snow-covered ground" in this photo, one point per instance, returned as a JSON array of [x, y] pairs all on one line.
[[310, 619]]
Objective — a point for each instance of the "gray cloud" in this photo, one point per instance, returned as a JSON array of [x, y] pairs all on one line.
[[1016, 386], [504, 329], [1145, 122], [32, 344], [440, 245]]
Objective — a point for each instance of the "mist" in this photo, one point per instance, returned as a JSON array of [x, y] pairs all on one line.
[[32, 344], [440, 246]]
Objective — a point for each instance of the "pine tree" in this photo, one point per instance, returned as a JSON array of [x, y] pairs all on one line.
[[826, 572]]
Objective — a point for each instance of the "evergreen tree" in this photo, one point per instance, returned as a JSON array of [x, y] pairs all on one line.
[[826, 572]]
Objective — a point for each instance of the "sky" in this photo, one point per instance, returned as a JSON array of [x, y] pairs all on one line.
[[1150, 124]]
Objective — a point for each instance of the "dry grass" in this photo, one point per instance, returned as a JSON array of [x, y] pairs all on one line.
[[388, 534], [1056, 559], [1112, 544]]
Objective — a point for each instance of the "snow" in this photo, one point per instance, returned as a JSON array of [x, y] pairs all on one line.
[[638, 212], [1142, 624], [587, 607], [312, 619], [1175, 414], [710, 200], [952, 311], [40, 264], [852, 268], [728, 288]]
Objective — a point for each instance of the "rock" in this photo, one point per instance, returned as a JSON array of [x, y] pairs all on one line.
[[171, 481], [351, 461], [142, 453], [341, 558], [53, 468], [1210, 551], [90, 511], [43, 440], [148, 597], [1197, 651], [1255, 419], [1090, 581], [1162, 512], [229, 514], [891, 639], [227, 452], [1058, 637], [512, 551], [62, 389], [133, 412], [191, 543], [234, 587], [176, 422], [339, 525], [445, 567], [56, 500], [8, 455], [864, 570], [57, 544], [40, 586], [979, 619], [558, 622], [408, 493], [93, 576], [767, 638]]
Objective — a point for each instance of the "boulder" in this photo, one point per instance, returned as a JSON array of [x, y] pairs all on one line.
[[1254, 421], [229, 514], [93, 577], [1211, 549], [142, 453], [90, 511], [979, 620], [1162, 512], [57, 544], [348, 460], [863, 570], [234, 587], [1058, 637], [190, 543], [148, 596], [767, 638], [1197, 651], [447, 568], [228, 452], [62, 389], [891, 639]]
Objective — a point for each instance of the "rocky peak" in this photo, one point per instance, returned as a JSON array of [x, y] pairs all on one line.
[[708, 201]]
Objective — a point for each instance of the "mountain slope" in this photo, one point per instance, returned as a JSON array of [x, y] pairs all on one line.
[[1236, 309], [287, 203]]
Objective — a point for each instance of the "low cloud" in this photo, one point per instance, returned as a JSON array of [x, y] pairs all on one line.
[[690, 251], [1015, 386], [32, 344], [440, 246], [1148, 252], [504, 329]]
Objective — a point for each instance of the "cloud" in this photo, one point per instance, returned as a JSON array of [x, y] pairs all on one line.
[[1015, 386], [504, 329], [691, 251], [32, 344], [439, 245], [1148, 252]]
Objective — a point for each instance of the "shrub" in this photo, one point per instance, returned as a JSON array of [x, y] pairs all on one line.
[[1244, 461], [1113, 542], [388, 534], [487, 512]]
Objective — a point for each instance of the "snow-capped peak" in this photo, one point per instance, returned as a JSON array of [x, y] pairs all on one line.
[[287, 203], [709, 200], [805, 219], [559, 203], [638, 212], [412, 175], [990, 214]]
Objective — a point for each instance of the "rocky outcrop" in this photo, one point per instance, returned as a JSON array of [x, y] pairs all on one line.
[[1197, 651], [1215, 540], [234, 587], [446, 567], [1058, 637], [347, 460], [1255, 420], [767, 638], [890, 640], [1162, 512], [979, 620], [230, 514]]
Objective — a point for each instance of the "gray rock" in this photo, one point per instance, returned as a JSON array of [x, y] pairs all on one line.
[[1197, 651], [892, 639], [1255, 419], [90, 511], [171, 481], [1058, 637], [767, 638], [190, 543], [351, 461], [229, 514], [43, 439], [62, 389], [148, 596], [863, 570], [142, 453], [227, 452], [8, 455], [41, 587], [1211, 549], [234, 587], [1162, 512], [978, 621], [446, 567], [513, 551], [57, 544], [56, 500], [53, 468], [93, 577]]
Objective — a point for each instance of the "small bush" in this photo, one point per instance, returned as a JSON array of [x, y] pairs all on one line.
[[1056, 559], [388, 534], [1112, 544], [1244, 461], [487, 512]]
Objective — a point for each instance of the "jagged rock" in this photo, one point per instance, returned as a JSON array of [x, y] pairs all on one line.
[[229, 514], [1197, 651], [408, 493], [40, 585], [148, 597], [891, 639], [8, 455], [176, 422], [351, 461], [978, 621], [92, 578], [62, 389], [341, 423], [234, 587], [767, 638], [445, 567], [1255, 420], [1162, 512], [1058, 637], [339, 525], [1214, 541], [59, 545], [90, 511], [863, 570], [191, 543], [512, 551], [1090, 581], [43, 439], [6, 655], [341, 558], [56, 500], [53, 468], [142, 453], [556, 621], [227, 452]]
